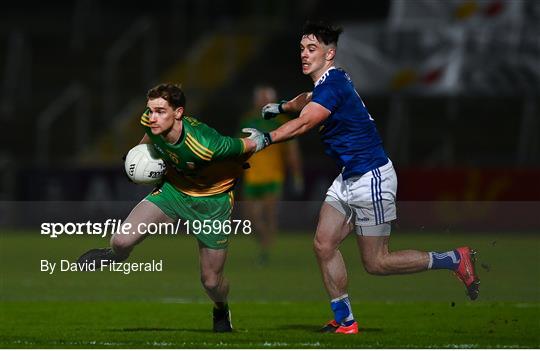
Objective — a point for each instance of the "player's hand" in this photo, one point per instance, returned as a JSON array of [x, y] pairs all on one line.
[[273, 109], [145, 117], [260, 139]]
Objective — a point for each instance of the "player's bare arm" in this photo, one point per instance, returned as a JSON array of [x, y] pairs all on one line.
[[312, 114], [271, 110], [297, 104], [250, 146]]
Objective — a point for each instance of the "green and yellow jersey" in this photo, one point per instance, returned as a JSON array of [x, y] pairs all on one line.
[[203, 162], [267, 166]]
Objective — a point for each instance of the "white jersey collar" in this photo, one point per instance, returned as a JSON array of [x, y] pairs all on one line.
[[325, 74]]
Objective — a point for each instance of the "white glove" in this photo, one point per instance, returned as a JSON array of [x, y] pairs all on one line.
[[272, 109], [261, 139]]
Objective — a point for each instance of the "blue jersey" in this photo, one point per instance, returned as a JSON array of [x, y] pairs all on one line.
[[349, 133]]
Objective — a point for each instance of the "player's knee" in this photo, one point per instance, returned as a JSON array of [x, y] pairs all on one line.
[[374, 269], [323, 249], [374, 266], [210, 281]]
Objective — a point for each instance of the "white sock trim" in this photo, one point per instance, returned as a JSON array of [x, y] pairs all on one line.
[[340, 298], [430, 260]]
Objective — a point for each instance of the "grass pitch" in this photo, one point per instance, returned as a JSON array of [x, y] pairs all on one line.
[[280, 305]]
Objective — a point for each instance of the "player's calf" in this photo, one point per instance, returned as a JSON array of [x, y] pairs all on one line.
[[122, 244]]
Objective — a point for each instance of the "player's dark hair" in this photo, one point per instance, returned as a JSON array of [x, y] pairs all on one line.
[[324, 32], [172, 93]]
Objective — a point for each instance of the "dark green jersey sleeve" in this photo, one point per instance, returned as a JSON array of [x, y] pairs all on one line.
[[226, 147]]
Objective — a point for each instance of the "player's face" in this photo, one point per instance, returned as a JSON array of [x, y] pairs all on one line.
[[162, 115], [316, 57]]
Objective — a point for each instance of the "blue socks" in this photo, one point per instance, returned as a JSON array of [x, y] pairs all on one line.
[[341, 307], [444, 260]]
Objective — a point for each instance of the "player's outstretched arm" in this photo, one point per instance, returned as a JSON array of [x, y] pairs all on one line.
[[293, 106], [312, 114], [297, 104], [256, 141]]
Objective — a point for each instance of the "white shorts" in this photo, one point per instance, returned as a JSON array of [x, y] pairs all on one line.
[[369, 200]]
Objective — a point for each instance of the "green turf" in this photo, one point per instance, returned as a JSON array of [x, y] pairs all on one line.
[[276, 306], [281, 325]]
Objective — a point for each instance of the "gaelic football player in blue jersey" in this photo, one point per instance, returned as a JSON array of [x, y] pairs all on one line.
[[363, 196]]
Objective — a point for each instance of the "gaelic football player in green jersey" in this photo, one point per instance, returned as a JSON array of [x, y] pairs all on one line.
[[202, 168]]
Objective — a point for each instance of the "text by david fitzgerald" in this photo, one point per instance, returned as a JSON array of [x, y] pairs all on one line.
[[106, 266]]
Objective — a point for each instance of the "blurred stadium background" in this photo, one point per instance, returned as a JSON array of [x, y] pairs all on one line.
[[454, 87]]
